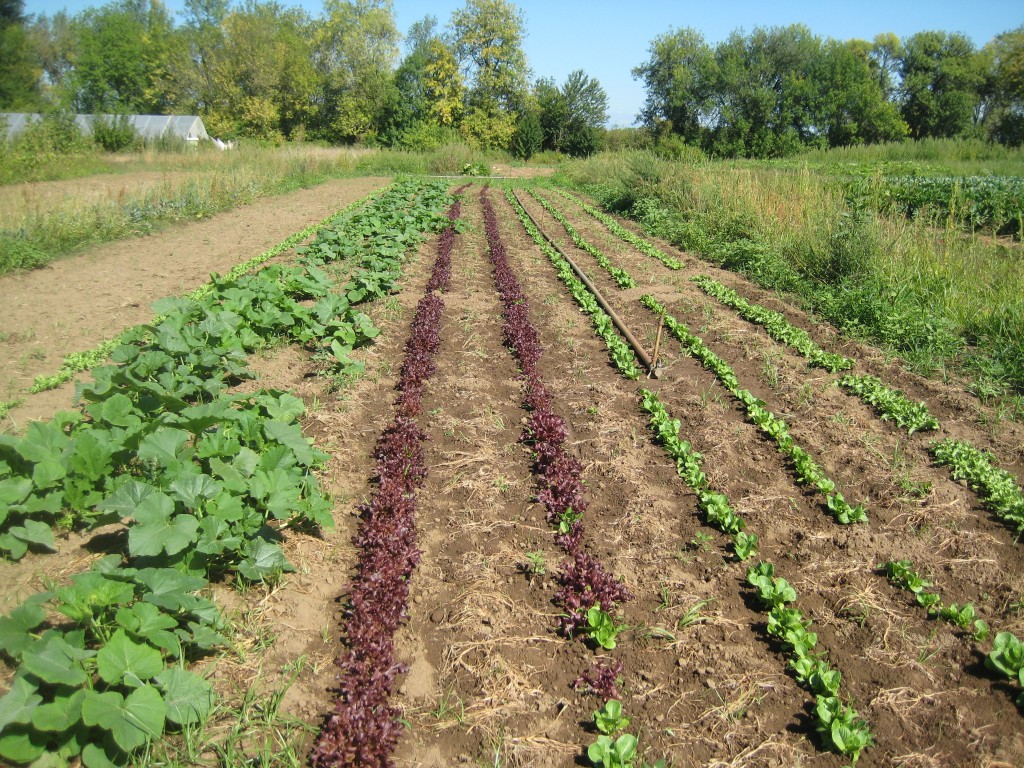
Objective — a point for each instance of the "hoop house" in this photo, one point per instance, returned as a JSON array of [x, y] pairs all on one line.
[[148, 127]]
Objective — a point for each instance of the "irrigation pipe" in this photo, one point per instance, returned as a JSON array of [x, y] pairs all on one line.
[[630, 339]]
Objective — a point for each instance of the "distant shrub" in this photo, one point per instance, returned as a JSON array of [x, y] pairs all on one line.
[[114, 133]]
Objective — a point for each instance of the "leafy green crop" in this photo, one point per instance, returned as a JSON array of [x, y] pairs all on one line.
[[997, 488], [976, 202], [621, 353], [83, 361], [602, 627], [841, 728], [1007, 658], [607, 753], [621, 277], [806, 470], [775, 324], [890, 403], [610, 720], [203, 482], [621, 232]]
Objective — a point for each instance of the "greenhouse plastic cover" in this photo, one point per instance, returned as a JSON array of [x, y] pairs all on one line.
[[188, 127]]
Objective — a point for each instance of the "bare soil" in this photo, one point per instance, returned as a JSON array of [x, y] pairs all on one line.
[[490, 681], [75, 303]]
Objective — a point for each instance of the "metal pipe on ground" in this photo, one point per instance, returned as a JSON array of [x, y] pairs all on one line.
[[641, 354]]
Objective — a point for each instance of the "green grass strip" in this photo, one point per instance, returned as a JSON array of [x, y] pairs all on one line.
[[78, 362], [624, 234], [890, 403], [996, 487], [775, 325], [807, 470], [621, 277], [621, 353]]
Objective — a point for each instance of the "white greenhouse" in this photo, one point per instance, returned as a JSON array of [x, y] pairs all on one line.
[[148, 127]]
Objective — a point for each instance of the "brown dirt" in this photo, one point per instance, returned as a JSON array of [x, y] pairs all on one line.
[[76, 303], [489, 679]]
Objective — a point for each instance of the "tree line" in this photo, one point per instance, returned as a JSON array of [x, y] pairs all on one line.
[[781, 89], [262, 70]]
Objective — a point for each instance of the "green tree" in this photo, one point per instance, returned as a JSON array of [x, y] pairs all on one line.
[[19, 72], [552, 112], [885, 56], [529, 136], [586, 105], [680, 79], [849, 105], [762, 92], [1006, 53], [355, 49], [487, 37], [53, 43], [941, 79], [121, 55], [258, 80]]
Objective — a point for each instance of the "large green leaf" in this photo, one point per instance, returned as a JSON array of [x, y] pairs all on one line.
[[53, 660], [43, 440], [19, 703], [35, 532], [14, 490], [20, 745], [126, 499], [189, 698], [122, 659], [263, 559], [61, 714], [132, 720], [192, 490], [291, 436], [164, 445], [158, 529], [15, 628], [170, 589]]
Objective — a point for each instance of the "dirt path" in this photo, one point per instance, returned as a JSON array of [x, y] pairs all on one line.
[[75, 303]]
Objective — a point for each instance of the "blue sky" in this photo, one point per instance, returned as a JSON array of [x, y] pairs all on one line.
[[607, 39]]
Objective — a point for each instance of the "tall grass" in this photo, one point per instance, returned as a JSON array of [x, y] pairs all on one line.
[[940, 297], [447, 160], [226, 180]]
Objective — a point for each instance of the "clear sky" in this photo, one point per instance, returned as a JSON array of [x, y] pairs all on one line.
[[607, 39]]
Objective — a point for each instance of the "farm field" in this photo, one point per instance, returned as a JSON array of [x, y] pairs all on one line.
[[493, 476], [111, 287]]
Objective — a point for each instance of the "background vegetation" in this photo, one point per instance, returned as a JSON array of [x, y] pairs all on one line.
[[261, 69]]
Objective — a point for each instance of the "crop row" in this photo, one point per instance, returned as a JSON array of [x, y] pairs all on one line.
[[996, 487], [619, 350], [620, 276], [775, 324], [977, 202], [363, 728], [589, 595], [203, 483], [841, 728], [77, 362], [891, 404], [621, 232], [806, 469], [839, 725]]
